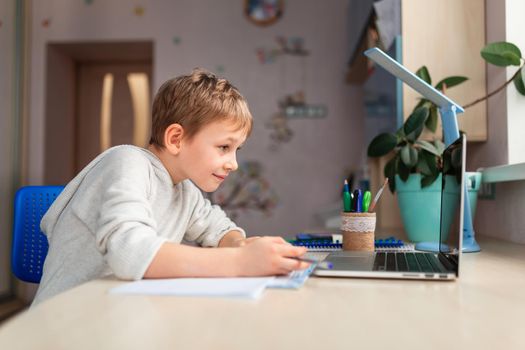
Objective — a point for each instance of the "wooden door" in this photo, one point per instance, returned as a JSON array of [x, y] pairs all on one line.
[[113, 108]]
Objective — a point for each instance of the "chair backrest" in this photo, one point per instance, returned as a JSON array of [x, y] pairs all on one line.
[[30, 245]]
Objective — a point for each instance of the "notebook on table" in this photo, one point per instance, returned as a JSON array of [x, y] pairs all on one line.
[[333, 242], [443, 265]]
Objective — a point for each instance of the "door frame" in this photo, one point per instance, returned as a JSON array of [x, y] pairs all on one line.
[[63, 60]]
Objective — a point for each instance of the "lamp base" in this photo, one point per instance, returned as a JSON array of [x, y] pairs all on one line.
[[469, 243], [469, 246]]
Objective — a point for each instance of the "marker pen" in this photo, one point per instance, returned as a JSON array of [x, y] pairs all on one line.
[[358, 201], [347, 200]]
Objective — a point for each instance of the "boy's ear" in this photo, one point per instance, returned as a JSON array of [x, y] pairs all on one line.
[[173, 138]]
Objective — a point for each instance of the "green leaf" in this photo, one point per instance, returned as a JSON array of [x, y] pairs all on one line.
[[400, 133], [409, 156], [451, 81], [411, 138], [456, 158], [431, 161], [502, 54], [518, 83], [390, 167], [403, 171], [414, 124], [432, 120], [424, 74], [390, 172], [420, 103], [446, 164], [512, 58], [423, 102], [428, 146], [382, 144], [440, 146], [428, 180], [422, 165], [392, 184]]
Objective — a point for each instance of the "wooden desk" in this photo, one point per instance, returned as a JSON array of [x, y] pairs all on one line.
[[485, 309]]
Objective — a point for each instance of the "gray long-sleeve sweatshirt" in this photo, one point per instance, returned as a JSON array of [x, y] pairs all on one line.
[[113, 217]]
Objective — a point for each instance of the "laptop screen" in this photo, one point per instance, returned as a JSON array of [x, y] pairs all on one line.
[[452, 194]]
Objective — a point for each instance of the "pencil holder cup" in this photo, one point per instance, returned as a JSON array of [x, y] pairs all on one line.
[[358, 231]]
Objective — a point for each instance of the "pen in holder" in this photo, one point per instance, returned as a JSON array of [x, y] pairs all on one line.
[[358, 231]]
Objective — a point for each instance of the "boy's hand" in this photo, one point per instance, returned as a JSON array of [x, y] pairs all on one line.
[[269, 256]]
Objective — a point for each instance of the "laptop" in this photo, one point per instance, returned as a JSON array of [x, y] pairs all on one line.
[[440, 265]]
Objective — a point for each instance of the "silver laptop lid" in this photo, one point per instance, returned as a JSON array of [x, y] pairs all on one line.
[[452, 202]]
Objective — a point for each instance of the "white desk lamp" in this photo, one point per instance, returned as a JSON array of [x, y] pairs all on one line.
[[448, 110]]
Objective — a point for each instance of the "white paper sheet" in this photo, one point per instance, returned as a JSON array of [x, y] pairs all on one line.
[[202, 287]]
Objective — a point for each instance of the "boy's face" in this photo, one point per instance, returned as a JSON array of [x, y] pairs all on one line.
[[208, 157]]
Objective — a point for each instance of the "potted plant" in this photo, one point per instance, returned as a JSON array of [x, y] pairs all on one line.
[[414, 170]]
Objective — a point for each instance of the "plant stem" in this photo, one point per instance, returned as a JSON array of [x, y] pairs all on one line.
[[468, 105]]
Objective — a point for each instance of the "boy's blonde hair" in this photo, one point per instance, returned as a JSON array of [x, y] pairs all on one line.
[[194, 101]]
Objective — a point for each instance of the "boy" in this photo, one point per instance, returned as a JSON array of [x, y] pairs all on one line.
[[126, 213]]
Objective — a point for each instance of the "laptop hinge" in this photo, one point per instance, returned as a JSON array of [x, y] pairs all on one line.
[[449, 261]]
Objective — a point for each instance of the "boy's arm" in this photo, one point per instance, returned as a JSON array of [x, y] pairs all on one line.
[[177, 260], [262, 257], [234, 238]]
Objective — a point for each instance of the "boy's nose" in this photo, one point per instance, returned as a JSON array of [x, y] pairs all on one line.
[[232, 165]]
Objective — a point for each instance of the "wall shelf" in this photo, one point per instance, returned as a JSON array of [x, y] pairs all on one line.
[[503, 173]]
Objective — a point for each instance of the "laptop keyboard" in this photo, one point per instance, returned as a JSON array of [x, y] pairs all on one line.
[[409, 262]]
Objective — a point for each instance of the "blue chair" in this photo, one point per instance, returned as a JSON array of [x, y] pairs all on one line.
[[30, 245]]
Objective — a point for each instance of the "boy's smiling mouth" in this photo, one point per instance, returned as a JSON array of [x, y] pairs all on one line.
[[220, 177]]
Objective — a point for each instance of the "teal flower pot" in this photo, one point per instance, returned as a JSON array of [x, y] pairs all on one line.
[[420, 208]]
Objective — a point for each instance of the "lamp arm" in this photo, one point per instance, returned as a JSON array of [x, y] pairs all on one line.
[[450, 124]]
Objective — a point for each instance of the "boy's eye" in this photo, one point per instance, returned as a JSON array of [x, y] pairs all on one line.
[[226, 148]]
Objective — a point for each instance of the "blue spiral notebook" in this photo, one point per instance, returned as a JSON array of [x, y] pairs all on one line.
[[333, 242]]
